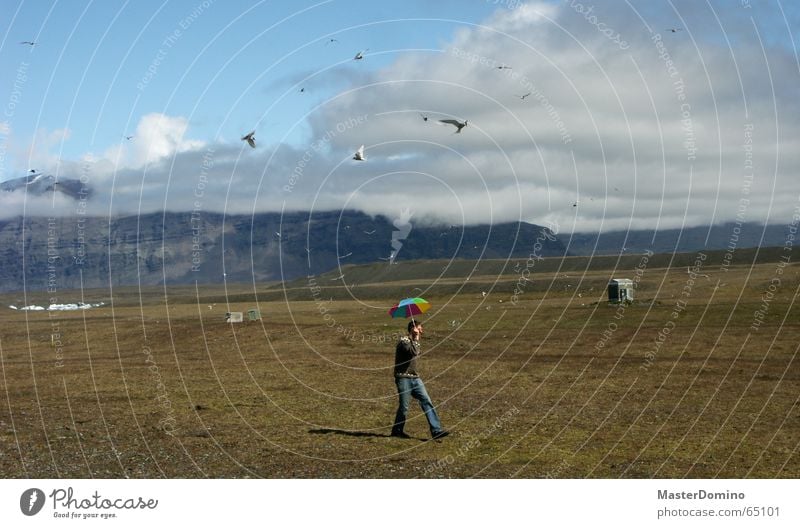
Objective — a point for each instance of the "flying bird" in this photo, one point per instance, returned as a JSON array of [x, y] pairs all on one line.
[[674, 30], [331, 41], [28, 42], [250, 138], [456, 123], [32, 171], [370, 232], [524, 96], [129, 138], [303, 89], [503, 67], [345, 256], [424, 117], [360, 54], [359, 155]]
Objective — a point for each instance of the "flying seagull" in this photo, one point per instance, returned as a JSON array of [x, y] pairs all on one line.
[[250, 138], [524, 96], [360, 55], [674, 30], [331, 41], [28, 42], [370, 232], [359, 155], [424, 117], [129, 138], [503, 67], [456, 123]]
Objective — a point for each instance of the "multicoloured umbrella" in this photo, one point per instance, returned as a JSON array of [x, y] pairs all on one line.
[[410, 307]]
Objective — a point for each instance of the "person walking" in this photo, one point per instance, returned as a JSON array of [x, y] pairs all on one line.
[[409, 384]]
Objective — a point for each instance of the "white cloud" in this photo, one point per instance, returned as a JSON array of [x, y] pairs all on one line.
[[675, 151], [524, 17], [603, 125], [158, 137]]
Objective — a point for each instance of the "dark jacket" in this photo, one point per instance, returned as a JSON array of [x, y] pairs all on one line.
[[405, 358]]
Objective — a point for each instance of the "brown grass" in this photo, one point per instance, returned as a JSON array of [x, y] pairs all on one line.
[[526, 389]]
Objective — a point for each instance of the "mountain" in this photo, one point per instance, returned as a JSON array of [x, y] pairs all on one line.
[[730, 236], [40, 184], [184, 248], [40, 254]]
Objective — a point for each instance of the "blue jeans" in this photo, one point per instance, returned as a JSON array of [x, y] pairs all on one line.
[[408, 388]]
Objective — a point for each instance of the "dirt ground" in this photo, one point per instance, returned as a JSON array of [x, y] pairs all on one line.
[[699, 377]]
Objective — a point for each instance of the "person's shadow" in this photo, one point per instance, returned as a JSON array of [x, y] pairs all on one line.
[[349, 433]]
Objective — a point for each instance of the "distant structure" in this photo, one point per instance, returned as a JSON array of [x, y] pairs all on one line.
[[253, 315], [233, 317], [620, 291]]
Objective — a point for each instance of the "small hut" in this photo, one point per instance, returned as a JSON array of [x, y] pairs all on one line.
[[620, 290], [233, 317]]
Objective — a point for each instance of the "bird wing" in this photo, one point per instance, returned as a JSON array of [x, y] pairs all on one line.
[[250, 139], [450, 122]]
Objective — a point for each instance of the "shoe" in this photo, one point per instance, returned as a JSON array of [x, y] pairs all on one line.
[[440, 434], [399, 434]]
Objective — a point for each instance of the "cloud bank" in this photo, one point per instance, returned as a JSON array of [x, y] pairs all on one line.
[[594, 119]]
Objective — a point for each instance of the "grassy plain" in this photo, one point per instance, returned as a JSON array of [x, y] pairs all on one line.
[[688, 381]]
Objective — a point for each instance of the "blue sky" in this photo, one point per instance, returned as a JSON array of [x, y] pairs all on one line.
[[605, 125], [97, 68]]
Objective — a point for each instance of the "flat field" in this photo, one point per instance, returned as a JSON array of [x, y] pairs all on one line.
[[698, 377]]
